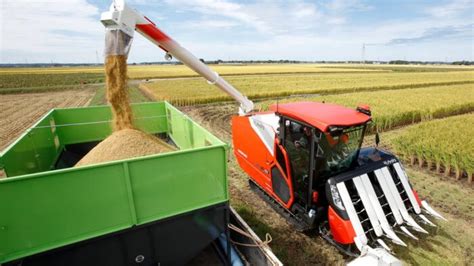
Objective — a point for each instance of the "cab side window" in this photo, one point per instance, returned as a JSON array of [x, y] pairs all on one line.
[[298, 144]]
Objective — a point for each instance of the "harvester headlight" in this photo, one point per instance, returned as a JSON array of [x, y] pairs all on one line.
[[336, 198]]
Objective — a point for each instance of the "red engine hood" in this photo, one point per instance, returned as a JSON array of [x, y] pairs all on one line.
[[321, 115]]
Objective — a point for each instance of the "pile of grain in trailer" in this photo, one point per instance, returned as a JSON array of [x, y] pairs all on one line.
[[125, 142]]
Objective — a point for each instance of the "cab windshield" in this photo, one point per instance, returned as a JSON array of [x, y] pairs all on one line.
[[337, 151]]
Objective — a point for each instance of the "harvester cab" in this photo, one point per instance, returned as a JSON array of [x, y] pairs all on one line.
[[306, 159], [305, 144], [319, 146]]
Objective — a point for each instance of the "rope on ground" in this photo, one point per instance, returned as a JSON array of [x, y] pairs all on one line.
[[259, 243]]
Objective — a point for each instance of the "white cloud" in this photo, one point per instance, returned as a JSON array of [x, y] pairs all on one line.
[[338, 11], [209, 24], [413, 39], [302, 10], [274, 17], [266, 16], [347, 5], [452, 9], [48, 30], [415, 29], [221, 8]]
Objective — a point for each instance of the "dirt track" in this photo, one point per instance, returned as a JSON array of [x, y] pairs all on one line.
[[290, 246], [20, 111]]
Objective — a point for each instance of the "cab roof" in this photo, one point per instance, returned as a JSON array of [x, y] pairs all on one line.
[[321, 115]]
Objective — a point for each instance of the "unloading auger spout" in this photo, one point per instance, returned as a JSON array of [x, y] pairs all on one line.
[[122, 20]]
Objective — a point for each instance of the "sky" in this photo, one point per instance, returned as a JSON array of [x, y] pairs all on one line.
[[69, 31]]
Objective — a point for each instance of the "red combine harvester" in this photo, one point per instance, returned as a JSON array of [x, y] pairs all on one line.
[[306, 160]]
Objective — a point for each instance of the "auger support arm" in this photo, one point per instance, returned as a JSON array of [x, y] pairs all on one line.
[[122, 17]]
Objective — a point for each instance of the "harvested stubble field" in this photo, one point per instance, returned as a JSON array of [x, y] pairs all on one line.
[[20, 111], [136, 96], [29, 81], [193, 91]]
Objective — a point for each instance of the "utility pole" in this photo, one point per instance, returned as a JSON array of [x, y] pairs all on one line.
[[97, 57], [363, 54]]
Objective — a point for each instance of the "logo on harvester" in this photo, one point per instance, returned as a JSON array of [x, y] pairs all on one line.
[[259, 125], [389, 162]]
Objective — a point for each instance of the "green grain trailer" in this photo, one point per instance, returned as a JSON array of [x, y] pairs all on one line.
[[163, 208]]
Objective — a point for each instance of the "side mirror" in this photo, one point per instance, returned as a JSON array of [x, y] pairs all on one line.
[[377, 139], [168, 57]]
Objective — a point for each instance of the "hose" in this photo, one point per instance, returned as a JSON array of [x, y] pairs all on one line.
[[259, 243]]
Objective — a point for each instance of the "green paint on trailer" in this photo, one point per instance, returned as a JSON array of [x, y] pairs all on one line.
[[42, 209]]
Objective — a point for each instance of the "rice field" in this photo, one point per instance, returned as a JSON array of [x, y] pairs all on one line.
[[14, 80], [20, 111], [194, 91], [179, 70], [223, 69], [409, 68], [13, 83], [445, 143], [396, 108], [22, 79], [175, 71], [133, 91], [398, 96]]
